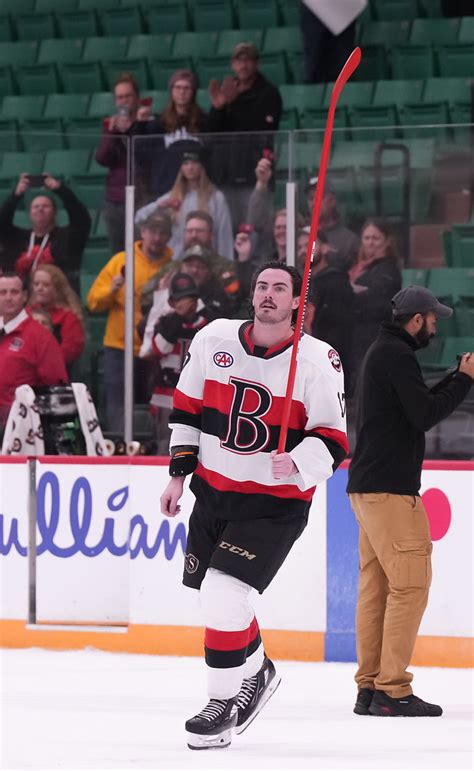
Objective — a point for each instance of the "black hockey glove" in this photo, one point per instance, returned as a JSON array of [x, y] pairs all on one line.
[[184, 460], [169, 327]]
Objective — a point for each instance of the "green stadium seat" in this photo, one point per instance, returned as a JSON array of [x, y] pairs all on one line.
[[136, 67], [121, 21], [86, 281], [434, 31], [388, 10], [167, 17], [431, 8], [58, 50], [466, 30], [95, 169], [355, 154], [94, 259], [88, 5], [9, 134], [7, 85], [21, 52], [38, 79], [289, 120], [373, 64], [354, 93], [99, 229], [414, 277], [290, 13], [203, 99], [77, 23], [452, 347], [35, 26], [465, 321], [6, 29], [82, 77], [41, 134], [55, 5], [66, 163], [456, 60], [98, 49], [452, 282], [160, 99], [397, 92], [212, 15], [280, 39], [14, 164], [391, 191], [383, 32], [66, 106], [421, 153], [296, 67], [194, 44], [412, 61], [257, 14], [376, 117], [462, 246], [83, 133], [212, 67], [229, 38], [150, 46], [451, 90], [14, 7], [302, 96], [101, 104], [23, 107], [160, 70], [275, 68], [316, 117], [89, 189], [424, 114]]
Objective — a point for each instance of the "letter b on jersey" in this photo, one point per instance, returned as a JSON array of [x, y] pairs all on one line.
[[247, 432]]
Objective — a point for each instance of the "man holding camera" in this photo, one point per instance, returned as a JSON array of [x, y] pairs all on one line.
[[395, 408], [23, 249]]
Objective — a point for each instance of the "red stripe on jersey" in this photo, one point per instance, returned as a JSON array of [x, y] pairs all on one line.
[[226, 641], [253, 629], [182, 401], [224, 484], [332, 433], [219, 396]]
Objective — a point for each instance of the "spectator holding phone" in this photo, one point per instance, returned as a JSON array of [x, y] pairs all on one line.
[[23, 249], [192, 189], [112, 152]]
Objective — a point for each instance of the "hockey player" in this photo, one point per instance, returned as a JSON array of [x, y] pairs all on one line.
[[251, 503]]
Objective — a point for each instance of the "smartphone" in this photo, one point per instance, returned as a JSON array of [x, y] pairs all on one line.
[[36, 180], [146, 101], [123, 111]]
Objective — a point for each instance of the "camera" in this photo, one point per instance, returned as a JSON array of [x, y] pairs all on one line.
[[123, 111], [36, 180], [460, 355]]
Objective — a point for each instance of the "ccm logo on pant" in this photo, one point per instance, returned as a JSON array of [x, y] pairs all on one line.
[[236, 550]]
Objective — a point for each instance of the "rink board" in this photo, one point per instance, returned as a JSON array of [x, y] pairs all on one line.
[[109, 566]]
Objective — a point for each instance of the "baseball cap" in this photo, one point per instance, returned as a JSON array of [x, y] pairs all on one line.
[[313, 181], [245, 49], [197, 252], [417, 299], [159, 220], [182, 285]]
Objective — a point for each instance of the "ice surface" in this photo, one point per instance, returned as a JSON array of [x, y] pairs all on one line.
[[94, 710]]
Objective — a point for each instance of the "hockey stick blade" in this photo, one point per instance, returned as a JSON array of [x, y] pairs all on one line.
[[350, 66]]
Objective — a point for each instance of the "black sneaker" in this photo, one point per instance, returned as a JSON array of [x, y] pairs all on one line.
[[363, 701], [254, 694], [212, 727], [408, 706]]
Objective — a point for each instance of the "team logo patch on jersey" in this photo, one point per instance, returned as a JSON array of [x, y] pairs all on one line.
[[335, 359], [223, 359], [191, 563], [16, 344]]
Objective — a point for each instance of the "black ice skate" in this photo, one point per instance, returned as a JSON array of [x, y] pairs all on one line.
[[363, 701], [383, 705], [212, 727], [254, 694]]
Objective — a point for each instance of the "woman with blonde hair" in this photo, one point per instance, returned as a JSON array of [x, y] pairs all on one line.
[[193, 190], [52, 293]]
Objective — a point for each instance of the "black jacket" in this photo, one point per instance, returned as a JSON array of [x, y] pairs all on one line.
[[382, 279], [395, 408]]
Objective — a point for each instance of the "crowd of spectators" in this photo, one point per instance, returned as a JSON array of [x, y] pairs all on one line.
[[205, 218]]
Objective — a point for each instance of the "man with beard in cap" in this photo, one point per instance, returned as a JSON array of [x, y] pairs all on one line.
[[395, 408]]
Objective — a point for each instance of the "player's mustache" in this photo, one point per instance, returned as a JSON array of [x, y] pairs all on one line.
[[267, 303]]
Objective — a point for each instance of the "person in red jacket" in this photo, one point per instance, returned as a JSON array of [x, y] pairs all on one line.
[[29, 353], [52, 292]]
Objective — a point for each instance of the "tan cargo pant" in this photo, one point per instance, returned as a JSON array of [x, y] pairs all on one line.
[[394, 580]]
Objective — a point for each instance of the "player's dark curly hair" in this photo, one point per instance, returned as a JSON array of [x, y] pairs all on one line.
[[296, 281]]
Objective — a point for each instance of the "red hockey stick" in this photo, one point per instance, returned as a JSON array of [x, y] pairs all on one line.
[[349, 67]]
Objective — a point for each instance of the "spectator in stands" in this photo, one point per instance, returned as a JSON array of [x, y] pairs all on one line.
[[340, 238], [29, 354], [107, 293], [245, 103], [331, 306], [192, 189], [112, 152], [23, 249], [176, 128], [172, 334], [199, 231], [52, 293], [375, 278], [328, 39]]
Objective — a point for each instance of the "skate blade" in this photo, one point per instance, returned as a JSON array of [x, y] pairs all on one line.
[[211, 742], [266, 696]]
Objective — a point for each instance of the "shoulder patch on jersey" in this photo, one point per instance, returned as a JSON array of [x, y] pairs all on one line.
[[335, 359], [223, 359]]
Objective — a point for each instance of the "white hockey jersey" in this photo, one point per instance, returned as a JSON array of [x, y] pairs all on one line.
[[229, 402]]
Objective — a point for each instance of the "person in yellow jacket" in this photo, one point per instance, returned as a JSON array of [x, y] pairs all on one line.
[[107, 293]]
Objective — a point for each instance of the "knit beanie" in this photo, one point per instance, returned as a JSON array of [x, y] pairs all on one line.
[[183, 75]]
